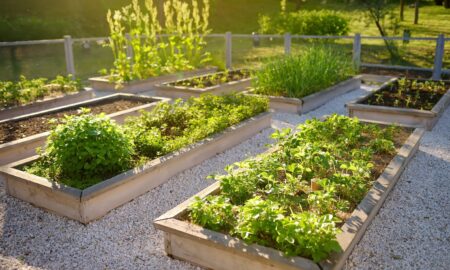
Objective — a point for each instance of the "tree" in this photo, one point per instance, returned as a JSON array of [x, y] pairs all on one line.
[[298, 3], [416, 12], [377, 11], [402, 8]]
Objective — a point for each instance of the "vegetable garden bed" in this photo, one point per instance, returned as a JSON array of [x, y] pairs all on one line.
[[412, 103], [21, 135], [91, 203], [46, 104], [217, 249], [137, 86], [217, 83], [311, 102]]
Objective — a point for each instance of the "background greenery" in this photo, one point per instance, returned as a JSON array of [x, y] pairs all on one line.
[[31, 19]]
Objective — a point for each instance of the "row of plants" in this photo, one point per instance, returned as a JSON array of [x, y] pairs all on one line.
[[87, 149], [406, 93], [140, 53], [27, 91], [304, 22], [295, 198], [303, 74], [214, 79]]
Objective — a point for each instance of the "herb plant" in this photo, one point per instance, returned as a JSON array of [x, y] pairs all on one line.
[[83, 150], [26, 91], [272, 199], [300, 75]]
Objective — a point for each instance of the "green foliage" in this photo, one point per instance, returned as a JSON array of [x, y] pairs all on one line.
[[209, 80], [304, 22], [183, 50], [84, 150], [272, 196], [26, 91], [214, 212], [33, 27], [170, 127], [297, 76]]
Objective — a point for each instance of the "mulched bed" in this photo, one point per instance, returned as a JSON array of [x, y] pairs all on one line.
[[213, 79], [14, 130]]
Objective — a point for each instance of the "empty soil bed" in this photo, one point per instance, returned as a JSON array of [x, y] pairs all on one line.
[[14, 130]]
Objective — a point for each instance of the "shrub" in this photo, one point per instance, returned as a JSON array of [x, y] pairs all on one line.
[[322, 22], [300, 75], [84, 150]]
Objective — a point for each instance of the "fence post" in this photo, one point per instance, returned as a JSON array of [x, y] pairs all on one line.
[[357, 51], [68, 50], [228, 50], [287, 43], [438, 57], [129, 47]]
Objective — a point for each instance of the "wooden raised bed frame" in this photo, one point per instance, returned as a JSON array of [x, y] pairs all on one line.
[[46, 104], [166, 90], [313, 101], [25, 147], [401, 116], [137, 86], [94, 202], [214, 250]]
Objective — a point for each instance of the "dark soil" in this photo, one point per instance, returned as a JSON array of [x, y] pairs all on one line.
[[401, 73], [421, 96], [213, 79], [14, 130]]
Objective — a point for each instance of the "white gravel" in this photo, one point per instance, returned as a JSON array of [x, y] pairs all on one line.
[[410, 231]]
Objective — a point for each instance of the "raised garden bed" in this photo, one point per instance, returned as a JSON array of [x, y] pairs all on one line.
[[21, 135], [215, 249], [215, 83], [311, 102], [400, 102], [46, 104], [95, 201], [105, 84]]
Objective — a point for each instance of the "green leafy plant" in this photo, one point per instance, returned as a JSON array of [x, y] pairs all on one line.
[[293, 198], [27, 91], [213, 79], [297, 76], [135, 31], [170, 127], [84, 150]]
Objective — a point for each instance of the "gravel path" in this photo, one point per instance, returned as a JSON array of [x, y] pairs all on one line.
[[125, 239]]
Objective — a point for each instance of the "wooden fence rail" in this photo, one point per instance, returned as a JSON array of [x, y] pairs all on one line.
[[437, 69]]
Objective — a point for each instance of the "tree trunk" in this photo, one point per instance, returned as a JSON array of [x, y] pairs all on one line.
[[402, 8], [390, 46], [416, 12]]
